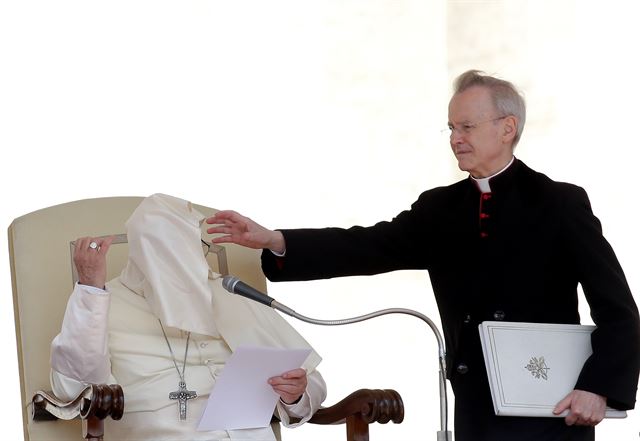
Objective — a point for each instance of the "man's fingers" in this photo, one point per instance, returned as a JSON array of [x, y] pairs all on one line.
[[219, 230], [295, 373], [105, 244], [290, 385], [82, 243], [585, 408], [571, 419], [288, 389], [227, 227], [279, 381], [282, 382], [585, 417], [291, 381], [289, 393], [223, 239], [246, 239], [223, 215], [562, 405]]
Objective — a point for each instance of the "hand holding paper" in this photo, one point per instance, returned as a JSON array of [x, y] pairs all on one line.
[[243, 397], [290, 385]]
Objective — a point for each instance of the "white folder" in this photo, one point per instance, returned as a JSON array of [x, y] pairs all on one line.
[[532, 366]]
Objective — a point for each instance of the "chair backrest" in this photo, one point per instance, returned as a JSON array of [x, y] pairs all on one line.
[[40, 245]]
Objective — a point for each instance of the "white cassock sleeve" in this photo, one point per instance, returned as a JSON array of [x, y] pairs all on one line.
[[293, 415], [79, 354]]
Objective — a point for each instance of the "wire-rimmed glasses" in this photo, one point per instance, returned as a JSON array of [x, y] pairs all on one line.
[[467, 127]]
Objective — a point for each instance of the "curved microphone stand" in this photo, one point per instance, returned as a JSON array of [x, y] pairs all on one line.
[[235, 286]]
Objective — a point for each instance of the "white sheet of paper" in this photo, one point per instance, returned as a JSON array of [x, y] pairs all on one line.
[[241, 397]]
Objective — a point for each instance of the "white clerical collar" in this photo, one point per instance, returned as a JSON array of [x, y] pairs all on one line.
[[483, 183]]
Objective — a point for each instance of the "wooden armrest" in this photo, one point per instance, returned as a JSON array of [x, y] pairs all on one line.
[[93, 404], [99, 400], [361, 408], [373, 406]]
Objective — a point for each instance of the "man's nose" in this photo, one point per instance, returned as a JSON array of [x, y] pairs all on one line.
[[456, 137]]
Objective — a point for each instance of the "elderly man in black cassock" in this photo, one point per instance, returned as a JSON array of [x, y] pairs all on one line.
[[507, 243]]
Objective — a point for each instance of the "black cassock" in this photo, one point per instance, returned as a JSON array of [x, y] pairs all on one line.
[[515, 254]]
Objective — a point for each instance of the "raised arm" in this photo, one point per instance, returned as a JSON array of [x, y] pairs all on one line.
[[79, 354]]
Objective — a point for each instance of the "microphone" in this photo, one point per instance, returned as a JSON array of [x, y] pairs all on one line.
[[236, 286]]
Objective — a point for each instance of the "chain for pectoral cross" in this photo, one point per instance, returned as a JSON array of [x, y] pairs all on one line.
[[182, 394]]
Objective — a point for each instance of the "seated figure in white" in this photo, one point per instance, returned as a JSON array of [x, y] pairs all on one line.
[[165, 324]]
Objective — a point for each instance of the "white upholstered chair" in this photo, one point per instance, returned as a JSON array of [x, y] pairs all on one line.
[[40, 247]]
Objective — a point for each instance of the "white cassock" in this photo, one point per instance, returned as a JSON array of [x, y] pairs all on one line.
[[114, 336]]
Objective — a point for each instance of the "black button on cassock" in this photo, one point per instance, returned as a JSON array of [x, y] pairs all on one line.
[[499, 315], [462, 368], [467, 318]]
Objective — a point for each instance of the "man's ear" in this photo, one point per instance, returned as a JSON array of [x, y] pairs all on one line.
[[510, 128]]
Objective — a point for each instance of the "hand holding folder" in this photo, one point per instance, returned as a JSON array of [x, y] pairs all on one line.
[[532, 367]]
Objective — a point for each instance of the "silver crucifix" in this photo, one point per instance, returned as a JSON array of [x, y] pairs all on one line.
[[182, 395]]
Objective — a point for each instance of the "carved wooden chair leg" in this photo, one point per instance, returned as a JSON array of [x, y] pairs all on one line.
[[357, 428], [93, 429]]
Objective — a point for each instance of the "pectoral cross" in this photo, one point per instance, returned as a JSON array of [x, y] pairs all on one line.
[[182, 395]]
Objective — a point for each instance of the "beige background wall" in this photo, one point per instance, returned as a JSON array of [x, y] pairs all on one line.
[[307, 113]]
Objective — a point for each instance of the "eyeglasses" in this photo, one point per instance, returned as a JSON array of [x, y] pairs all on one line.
[[206, 247], [466, 128]]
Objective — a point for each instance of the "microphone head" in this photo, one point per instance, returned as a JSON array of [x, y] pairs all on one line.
[[229, 283]]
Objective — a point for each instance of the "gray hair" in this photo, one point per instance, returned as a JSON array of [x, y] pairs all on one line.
[[507, 100]]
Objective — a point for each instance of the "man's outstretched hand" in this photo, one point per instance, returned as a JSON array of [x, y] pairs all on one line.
[[241, 230]]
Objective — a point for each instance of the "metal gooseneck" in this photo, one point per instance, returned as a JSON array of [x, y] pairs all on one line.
[[234, 285]]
